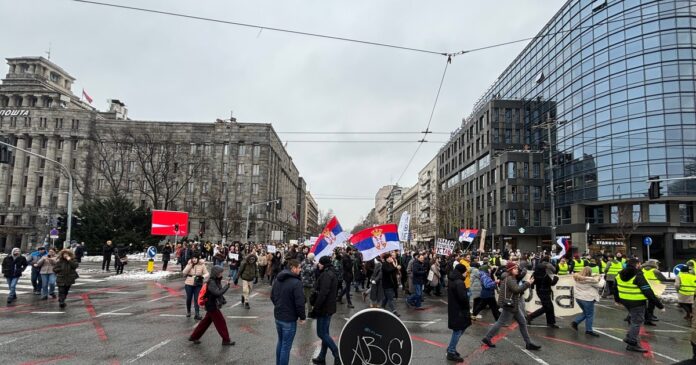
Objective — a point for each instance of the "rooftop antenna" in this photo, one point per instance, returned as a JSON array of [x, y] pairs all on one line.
[[48, 53]]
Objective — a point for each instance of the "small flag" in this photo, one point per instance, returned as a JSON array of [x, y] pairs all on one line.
[[467, 235], [332, 236], [372, 242], [87, 97]]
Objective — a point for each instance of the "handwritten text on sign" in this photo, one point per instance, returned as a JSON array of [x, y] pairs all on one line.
[[375, 337]]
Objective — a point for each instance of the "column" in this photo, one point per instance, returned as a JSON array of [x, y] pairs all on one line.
[[5, 173], [18, 175], [32, 174], [49, 173], [669, 250], [26, 244], [9, 243], [65, 160]]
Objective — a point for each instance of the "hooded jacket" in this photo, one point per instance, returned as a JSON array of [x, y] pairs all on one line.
[[420, 272], [458, 316], [327, 290], [66, 271], [13, 266], [249, 269], [628, 273], [509, 289], [288, 298], [215, 291]]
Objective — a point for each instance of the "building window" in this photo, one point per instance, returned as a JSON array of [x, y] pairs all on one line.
[[188, 204], [73, 164], [42, 163], [254, 188], [537, 218], [239, 188], [205, 187], [635, 213], [225, 149], [100, 184], [242, 150], [536, 191], [255, 170], [657, 213], [503, 195], [27, 161], [40, 183], [208, 150], [131, 185], [75, 124], [60, 144], [511, 218], [44, 142], [240, 169], [75, 144], [525, 169], [59, 123], [686, 213], [511, 173], [131, 166], [204, 206], [257, 151], [238, 207], [615, 214], [56, 183], [189, 187]]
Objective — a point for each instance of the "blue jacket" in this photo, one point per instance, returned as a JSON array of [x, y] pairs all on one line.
[[288, 298], [34, 258], [487, 285]]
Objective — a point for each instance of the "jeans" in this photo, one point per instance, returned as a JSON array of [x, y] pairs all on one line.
[[388, 301], [416, 299], [491, 303], [452, 348], [218, 319], [505, 316], [637, 316], [286, 334], [345, 291], [233, 274], [192, 294], [323, 324], [48, 281], [587, 315], [12, 284], [307, 294], [36, 279]]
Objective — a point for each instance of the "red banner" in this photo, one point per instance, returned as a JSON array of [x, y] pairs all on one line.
[[169, 223]]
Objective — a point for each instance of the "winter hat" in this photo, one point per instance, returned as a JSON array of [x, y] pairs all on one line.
[[325, 260], [510, 265], [16, 251], [461, 268], [651, 263], [42, 248], [632, 262], [215, 271]]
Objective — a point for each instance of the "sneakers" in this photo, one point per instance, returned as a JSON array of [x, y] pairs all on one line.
[[636, 348], [246, 305], [44, 297], [574, 325], [350, 306], [454, 357], [242, 299], [62, 305], [197, 317], [552, 325], [652, 324], [188, 314], [488, 343], [318, 361], [228, 343], [592, 333], [531, 346], [195, 342]]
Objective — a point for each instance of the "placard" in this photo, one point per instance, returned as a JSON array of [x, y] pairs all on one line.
[[233, 256], [271, 249], [375, 337], [444, 247]]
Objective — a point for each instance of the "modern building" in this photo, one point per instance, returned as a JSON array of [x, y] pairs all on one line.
[[425, 218], [312, 216], [616, 80], [201, 168]]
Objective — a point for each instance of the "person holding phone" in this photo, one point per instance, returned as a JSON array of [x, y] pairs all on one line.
[[196, 274], [66, 274]]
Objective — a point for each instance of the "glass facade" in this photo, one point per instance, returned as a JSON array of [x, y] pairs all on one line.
[[618, 81]]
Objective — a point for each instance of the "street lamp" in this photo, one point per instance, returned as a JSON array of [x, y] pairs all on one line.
[[246, 234]]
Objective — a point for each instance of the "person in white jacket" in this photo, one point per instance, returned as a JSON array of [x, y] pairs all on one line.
[[586, 294]]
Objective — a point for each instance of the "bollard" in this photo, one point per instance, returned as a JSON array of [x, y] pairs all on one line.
[[150, 265]]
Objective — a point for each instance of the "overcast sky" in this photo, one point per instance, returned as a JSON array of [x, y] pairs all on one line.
[[168, 68]]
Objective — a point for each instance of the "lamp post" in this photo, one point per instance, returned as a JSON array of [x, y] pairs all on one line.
[[246, 234]]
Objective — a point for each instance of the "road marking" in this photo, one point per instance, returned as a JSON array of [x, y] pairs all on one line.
[[431, 322], [608, 307], [443, 301], [242, 317], [676, 325], [620, 340], [160, 298], [534, 357], [16, 292], [429, 342], [172, 315], [240, 303], [118, 292], [583, 346], [48, 312], [115, 314], [151, 349], [114, 311], [14, 340]]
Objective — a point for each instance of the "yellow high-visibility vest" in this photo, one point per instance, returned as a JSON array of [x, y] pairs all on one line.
[[649, 274], [578, 265], [562, 269], [688, 284], [628, 290], [595, 269], [614, 268]]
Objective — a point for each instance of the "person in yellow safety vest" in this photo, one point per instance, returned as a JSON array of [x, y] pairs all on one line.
[[620, 258], [633, 290], [563, 268], [685, 283], [577, 264], [596, 268], [613, 267], [652, 275]]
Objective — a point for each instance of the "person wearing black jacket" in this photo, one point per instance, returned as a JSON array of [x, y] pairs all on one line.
[[107, 251], [324, 307], [12, 267], [633, 291], [458, 317], [166, 256], [543, 282], [420, 273], [390, 284], [405, 259], [347, 267], [120, 259], [288, 299], [215, 299]]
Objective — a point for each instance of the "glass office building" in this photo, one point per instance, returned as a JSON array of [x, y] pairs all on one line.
[[617, 81]]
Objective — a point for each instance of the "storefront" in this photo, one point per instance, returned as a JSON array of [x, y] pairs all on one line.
[[606, 245]]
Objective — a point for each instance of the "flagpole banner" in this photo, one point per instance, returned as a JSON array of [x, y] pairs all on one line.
[[444, 247], [482, 241], [331, 237], [467, 235], [374, 241], [561, 241], [404, 226]]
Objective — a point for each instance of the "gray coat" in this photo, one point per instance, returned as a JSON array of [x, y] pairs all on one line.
[[475, 283], [376, 289], [510, 290]]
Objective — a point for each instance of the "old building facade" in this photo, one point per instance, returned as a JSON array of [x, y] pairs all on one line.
[[202, 168]]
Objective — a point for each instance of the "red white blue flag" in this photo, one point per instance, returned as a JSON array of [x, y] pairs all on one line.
[[372, 242], [332, 236], [467, 235]]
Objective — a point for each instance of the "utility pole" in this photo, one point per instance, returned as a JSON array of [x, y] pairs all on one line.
[[66, 244], [246, 234]]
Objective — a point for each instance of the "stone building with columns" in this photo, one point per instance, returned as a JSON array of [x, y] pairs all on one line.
[[212, 166]]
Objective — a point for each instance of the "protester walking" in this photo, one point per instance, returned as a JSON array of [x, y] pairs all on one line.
[[66, 274], [48, 277], [633, 291], [508, 299], [458, 317], [543, 281], [347, 276], [434, 276], [166, 256], [107, 251], [196, 273], [376, 291], [308, 273], [34, 257], [248, 271], [685, 283], [390, 284], [288, 299], [324, 307], [586, 291], [487, 297], [214, 300], [420, 272], [12, 267]]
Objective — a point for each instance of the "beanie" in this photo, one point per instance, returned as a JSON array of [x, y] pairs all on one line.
[[461, 268], [510, 265], [325, 260]]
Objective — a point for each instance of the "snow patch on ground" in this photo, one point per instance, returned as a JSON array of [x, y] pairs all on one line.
[[669, 298], [133, 257], [142, 275]]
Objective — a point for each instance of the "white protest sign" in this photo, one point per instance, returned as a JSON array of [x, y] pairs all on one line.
[[271, 249], [444, 247], [233, 256]]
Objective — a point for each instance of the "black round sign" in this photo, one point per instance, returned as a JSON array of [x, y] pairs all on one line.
[[375, 337]]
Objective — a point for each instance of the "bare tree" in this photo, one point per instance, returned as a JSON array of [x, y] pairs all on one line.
[[627, 221], [366, 222], [451, 214], [216, 211], [324, 217], [113, 153]]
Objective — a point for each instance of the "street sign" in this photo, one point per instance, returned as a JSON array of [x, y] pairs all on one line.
[[375, 336], [53, 234], [521, 230], [647, 241], [151, 252], [677, 269]]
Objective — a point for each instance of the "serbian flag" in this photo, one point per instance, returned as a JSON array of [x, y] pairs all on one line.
[[87, 97], [332, 236], [372, 242], [467, 235]]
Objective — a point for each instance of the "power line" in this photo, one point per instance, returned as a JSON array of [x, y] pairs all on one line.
[[365, 141], [359, 132]]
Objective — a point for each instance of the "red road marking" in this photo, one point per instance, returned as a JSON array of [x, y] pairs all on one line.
[[645, 344], [495, 339], [93, 314], [46, 328], [170, 290], [48, 360], [584, 346], [429, 342]]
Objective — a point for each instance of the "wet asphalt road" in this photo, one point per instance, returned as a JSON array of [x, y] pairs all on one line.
[[121, 322]]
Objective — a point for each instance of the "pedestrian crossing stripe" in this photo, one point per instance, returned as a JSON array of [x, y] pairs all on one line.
[[24, 284]]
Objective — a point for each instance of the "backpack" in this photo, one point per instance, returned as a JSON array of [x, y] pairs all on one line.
[[202, 297]]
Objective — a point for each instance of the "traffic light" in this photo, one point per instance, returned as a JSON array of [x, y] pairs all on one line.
[[60, 222], [654, 190], [176, 227], [279, 203]]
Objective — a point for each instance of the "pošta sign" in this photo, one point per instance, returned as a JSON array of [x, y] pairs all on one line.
[[14, 113], [375, 337]]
